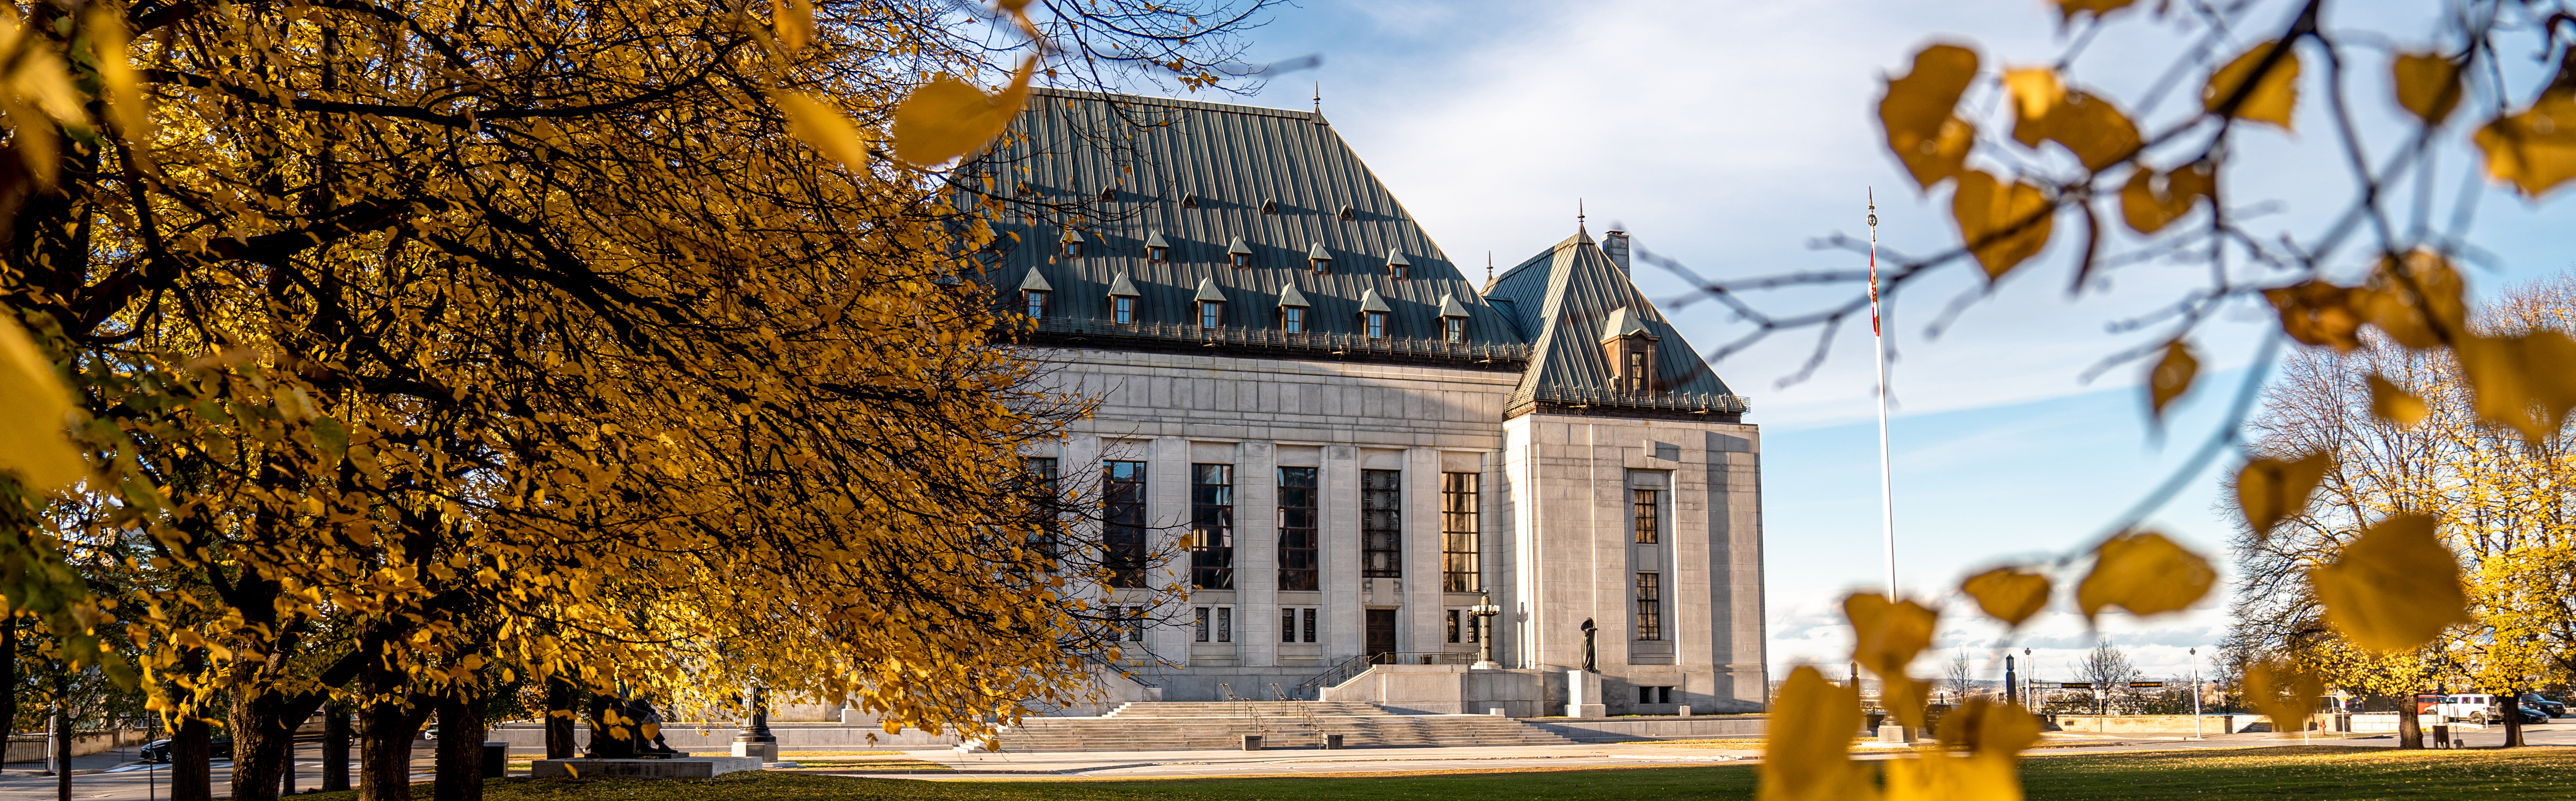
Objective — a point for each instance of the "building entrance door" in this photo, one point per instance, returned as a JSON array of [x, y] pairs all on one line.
[[1381, 636]]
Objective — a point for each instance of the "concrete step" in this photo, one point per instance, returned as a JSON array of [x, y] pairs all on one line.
[[1219, 709], [1377, 729]]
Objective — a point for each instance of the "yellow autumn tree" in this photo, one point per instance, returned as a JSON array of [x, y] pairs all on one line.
[[418, 351]]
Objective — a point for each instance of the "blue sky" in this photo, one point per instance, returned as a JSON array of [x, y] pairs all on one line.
[[1729, 135]]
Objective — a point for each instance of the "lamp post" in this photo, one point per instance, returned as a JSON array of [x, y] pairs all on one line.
[[2030, 689], [2195, 694], [754, 739], [1484, 613]]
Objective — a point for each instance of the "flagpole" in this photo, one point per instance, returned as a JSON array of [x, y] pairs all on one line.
[[1878, 337]]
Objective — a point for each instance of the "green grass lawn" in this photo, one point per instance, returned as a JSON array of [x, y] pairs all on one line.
[[2300, 772]]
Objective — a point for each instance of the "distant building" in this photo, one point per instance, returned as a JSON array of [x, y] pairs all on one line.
[[1349, 441]]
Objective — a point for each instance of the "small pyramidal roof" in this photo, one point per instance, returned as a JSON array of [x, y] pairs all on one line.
[[1623, 322], [1155, 240], [1238, 247], [1289, 296], [1121, 287], [1318, 253], [1395, 258], [1450, 307], [1035, 282], [1071, 235], [1370, 302], [1209, 292]]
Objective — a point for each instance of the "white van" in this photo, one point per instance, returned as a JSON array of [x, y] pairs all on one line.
[[2476, 708]]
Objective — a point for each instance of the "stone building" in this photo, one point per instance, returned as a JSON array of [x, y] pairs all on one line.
[[1345, 441]]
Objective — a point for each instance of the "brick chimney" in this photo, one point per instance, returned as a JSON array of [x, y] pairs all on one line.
[[1615, 243]]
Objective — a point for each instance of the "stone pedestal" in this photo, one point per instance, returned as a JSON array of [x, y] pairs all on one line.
[[1893, 733], [677, 768], [1583, 695], [764, 749]]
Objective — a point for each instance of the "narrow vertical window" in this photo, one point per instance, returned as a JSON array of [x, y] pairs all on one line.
[[1073, 249], [1650, 606], [1202, 630], [1453, 626], [1042, 474], [1225, 624], [1377, 325], [1135, 624], [1458, 536], [1293, 319], [1638, 375], [1242, 259], [1125, 516], [1297, 520], [1650, 515], [1287, 625], [1310, 625], [1381, 523], [1122, 310], [1212, 526], [1454, 329], [1475, 623], [1037, 303], [1211, 314]]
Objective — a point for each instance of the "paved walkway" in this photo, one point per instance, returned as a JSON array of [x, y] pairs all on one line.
[[116, 776]]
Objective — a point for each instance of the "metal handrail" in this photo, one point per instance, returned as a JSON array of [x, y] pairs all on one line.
[[1336, 674], [1338, 344], [1360, 664]]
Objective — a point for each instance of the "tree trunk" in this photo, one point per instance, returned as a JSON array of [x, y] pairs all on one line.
[[263, 740], [191, 767], [460, 747], [335, 748], [9, 674], [62, 736], [2410, 731], [563, 700], [2511, 706], [384, 749]]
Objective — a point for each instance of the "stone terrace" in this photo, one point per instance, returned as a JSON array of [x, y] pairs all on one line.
[[1180, 726]]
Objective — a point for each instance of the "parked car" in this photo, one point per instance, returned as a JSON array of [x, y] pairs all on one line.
[[2529, 715], [158, 751], [2550, 706]]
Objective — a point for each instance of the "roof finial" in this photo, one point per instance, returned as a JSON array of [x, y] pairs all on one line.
[[1319, 97], [1578, 211], [1489, 268]]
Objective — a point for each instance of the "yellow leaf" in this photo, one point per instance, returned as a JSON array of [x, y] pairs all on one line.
[[2427, 84], [2002, 225], [2008, 594], [2069, 8], [1935, 776], [2152, 201], [1905, 697], [1807, 756], [2272, 98], [2395, 405], [2035, 92], [2536, 149], [2094, 130], [2145, 574], [108, 40], [2282, 692], [2318, 313], [2394, 588], [823, 128], [2526, 382], [1886, 636], [2269, 491], [795, 22], [1916, 113], [2420, 309], [1983, 726], [33, 407], [2171, 377], [948, 118]]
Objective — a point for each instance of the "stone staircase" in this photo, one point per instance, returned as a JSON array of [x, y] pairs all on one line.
[[1220, 725]]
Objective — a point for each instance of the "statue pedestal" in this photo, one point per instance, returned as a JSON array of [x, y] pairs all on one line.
[[1583, 695], [676, 768], [762, 747]]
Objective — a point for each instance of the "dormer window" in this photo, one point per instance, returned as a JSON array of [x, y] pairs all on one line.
[[1211, 301], [1157, 250], [1398, 266], [1037, 300], [1373, 312], [1108, 195], [1190, 201], [1348, 214], [1122, 300], [1292, 310], [1453, 330], [1239, 253], [1319, 258], [1270, 207], [1073, 243], [1630, 347]]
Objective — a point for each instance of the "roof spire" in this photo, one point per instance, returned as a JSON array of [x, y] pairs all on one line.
[[1578, 217], [1319, 97], [1489, 269]]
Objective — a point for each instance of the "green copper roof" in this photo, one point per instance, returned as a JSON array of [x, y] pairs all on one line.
[[1565, 299]]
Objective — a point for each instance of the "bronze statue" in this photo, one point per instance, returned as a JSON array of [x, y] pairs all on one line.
[[1588, 632], [636, 720]]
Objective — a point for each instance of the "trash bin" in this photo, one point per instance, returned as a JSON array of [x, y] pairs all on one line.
[[2441, 735], [496, 759], [1252, 742]]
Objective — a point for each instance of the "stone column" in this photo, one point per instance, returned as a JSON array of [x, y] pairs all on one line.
[[1423, 607], [1345, 631], [1735, 512], [1167, 512], [1256, 556]]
